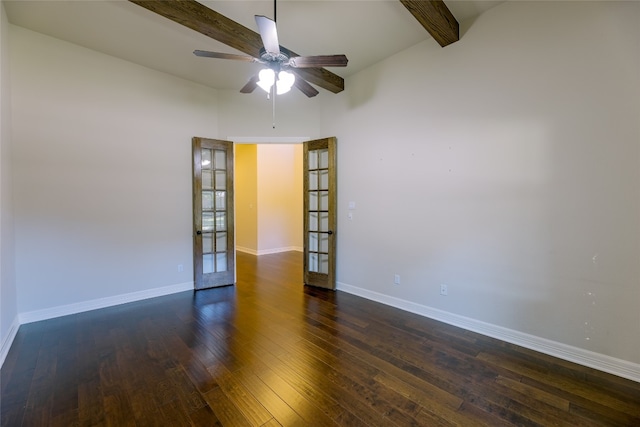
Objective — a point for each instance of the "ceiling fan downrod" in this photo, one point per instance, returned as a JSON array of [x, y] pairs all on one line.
[[273, 88]]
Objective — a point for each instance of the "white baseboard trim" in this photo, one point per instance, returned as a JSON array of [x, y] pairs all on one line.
[[601, 362], [8, 340], [246, 250], [278, 250], [64, 310], [268, 251]]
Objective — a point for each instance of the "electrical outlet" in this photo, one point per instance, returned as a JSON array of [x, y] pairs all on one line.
[[180, 268], [396, 279], [444, 290]]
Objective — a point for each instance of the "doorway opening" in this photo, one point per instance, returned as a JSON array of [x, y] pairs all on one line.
[[269, 197], [268, 215]]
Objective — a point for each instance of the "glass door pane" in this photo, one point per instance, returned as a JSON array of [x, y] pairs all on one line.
[[213, 211], [320, 218]]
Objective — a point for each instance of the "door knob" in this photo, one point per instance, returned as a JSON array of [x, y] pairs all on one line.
[[198, 232], [329, 232]]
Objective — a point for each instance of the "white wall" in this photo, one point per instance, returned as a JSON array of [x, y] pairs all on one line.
[[506, 166], [251, 116], [102, 173], [8, 294]]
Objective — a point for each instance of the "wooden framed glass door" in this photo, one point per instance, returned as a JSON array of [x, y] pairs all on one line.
[[213, 225], [320, 219]]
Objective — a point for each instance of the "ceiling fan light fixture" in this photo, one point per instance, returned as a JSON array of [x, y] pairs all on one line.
[[267, 78], [285, 82]]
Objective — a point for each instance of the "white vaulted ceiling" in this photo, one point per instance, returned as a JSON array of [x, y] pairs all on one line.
[[366, 31]]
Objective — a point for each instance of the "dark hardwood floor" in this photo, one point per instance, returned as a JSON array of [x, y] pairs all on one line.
[[271, 352]]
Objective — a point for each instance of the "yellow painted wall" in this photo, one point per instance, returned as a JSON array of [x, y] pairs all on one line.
[[246, 194]]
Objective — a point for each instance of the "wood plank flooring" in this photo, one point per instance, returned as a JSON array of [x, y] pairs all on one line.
[[270, 352]]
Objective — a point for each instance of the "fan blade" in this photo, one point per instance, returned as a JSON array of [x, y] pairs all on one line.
[[318, 61], [305, 87], [220, 55], [251, 85], [269, 34], [200, 18]]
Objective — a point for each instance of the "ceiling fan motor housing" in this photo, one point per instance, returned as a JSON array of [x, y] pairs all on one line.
[[270, 58]]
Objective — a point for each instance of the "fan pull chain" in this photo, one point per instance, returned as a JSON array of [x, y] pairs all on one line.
[[273, 97]]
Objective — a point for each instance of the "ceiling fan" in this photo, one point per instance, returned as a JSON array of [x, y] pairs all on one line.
[[277, 78]]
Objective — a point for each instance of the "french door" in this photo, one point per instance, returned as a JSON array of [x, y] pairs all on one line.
[[213, 225], [320, 219]]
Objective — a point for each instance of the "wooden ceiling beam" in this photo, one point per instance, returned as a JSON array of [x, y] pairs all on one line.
[[210, 23], [436, 18]]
